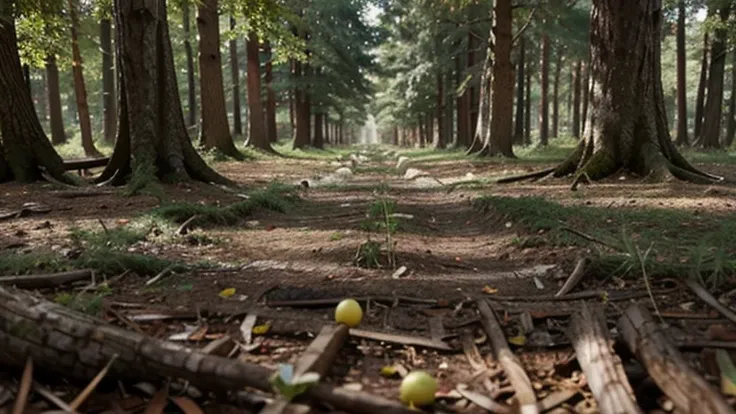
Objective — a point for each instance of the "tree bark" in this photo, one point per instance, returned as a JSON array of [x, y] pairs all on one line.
[[556, 95], [586, 97], [520, 81], [544, 98], [191, 84], [472, 100], [711, 132], [235, 77], [627, 126], [731, 119], [109, 107], [576, 99], [56, 119], [502, 100], [319, 128], [302, 137], [258, 134], [440, 142], [682, 135], [528, 110], [215, 132], [152, 136], [80, 89], [270, 97], [24, 147], [702, 83], [462, 108]]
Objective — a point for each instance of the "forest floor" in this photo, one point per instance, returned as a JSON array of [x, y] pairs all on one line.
[[457, 235]]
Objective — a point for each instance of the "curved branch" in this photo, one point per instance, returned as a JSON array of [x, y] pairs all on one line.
[[526, 24]]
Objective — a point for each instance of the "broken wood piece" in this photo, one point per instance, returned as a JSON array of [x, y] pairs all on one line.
[[220, 347], [667, 367], [482, 401], [184, 228], [437, 328], [555, 399], [246, 328], [87, 391], [21, 399], [52, 398], [45, 280], [161, 275], [602, 367], [515, 373], [401, 339], [706, 297], [575, 277], [75, 345], [318, 358]]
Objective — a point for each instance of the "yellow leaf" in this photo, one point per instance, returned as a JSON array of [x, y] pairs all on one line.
[[261, 329], [489, 290], [227, 292], [388, 371], [518, 340]]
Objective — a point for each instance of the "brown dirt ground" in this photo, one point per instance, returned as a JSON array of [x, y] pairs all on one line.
[[451, 251]]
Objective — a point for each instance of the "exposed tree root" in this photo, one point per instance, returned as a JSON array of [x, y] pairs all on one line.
[[530, 176]]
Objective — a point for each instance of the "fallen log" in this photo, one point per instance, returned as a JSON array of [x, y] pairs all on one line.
[[45, 280], [525, 395], [688, 391], [86, 163], [318, 358], [602, 367], [76, 346]]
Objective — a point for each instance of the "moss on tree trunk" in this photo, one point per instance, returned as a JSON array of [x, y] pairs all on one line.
[[151, 133]]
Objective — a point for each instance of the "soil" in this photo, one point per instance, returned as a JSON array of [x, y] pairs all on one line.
[[452, 253]]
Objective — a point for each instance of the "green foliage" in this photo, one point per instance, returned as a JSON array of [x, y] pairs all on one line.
[[117, 237]]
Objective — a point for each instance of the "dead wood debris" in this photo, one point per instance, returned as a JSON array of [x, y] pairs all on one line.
[[706, 297], [688, 391], [577, 275], [44, 281]]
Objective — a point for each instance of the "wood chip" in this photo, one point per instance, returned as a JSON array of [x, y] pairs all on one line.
[[400, 339], [246, 328]]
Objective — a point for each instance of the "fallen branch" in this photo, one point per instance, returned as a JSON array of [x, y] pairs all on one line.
[[602, 367], [81, 193], [525, 394], [401, 339], [524, 177], [590, 238], [688, 391], [75, 345], [45, 280], [318, 358], [184, 228], [706, 297], [589, 294], [323, 303], [577, 275]]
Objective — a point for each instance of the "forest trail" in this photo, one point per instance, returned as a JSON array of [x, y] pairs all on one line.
[[453, 249]]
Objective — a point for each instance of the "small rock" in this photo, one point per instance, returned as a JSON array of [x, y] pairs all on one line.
[[403, 165], [344, 172], [412, 173], [399, 272]]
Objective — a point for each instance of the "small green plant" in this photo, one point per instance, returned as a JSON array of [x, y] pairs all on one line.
[[144, 181], [336, 236], [369, 255], [379, 218]]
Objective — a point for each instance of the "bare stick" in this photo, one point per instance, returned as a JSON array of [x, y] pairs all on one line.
[[160, 276], [577, 275], [87, 391], [514, 371], [664, 363], [401, 339], [184, 228], [25, 387], [45, 280], [52, 398], [589, 238], [319, 303], [602, 367], [706, 297]]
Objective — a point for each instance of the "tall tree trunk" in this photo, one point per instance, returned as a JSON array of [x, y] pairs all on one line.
[[556, 95], [528, 109], [520, 79], [302, 137], [628, 120], [544, 98], [109, 106], [440, 112], [711, 133], [235, 77], [215, 132], [576, 99], [191, 84], [472, 100], [270, 96], [27, 77], [56, 119], [80, 90], [682, 135], [319, 127], [502, 98], [42, 98], [152, 135], [258, 134], [292, 109], [702, 83], [23, 145], [586, 96], [462, 108], [731, 120]]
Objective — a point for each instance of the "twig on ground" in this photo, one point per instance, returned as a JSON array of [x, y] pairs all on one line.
[[104, 227], [87, 391], [45, 280], [667, 367], [21, 400], [555, 399], [484, 402], [588, 294], [575, 277], [642, 263], [184, 228], [318, 303], [401, 339], [52, 398], [706, 297], [161, 275], [515, 373], [589, 238]]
